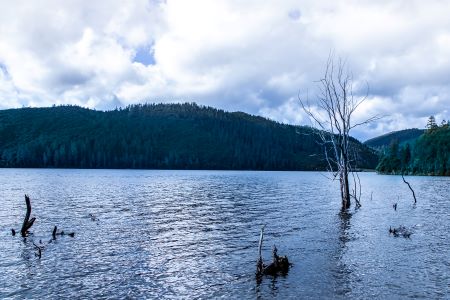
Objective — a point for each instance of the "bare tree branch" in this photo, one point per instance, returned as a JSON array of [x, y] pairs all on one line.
[[332, 116], [414, 194]]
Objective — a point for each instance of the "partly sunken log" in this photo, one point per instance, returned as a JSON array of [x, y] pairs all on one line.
[[27, 223], [279, 264]]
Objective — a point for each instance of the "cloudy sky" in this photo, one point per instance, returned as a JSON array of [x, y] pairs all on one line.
[[252, 56]]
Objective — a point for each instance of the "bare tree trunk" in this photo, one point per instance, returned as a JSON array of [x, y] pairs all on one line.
[[346, 188]]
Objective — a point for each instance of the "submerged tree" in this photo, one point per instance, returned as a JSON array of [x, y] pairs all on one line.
[[332, 115]]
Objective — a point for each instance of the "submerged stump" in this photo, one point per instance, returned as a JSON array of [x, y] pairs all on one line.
[[279, 264]]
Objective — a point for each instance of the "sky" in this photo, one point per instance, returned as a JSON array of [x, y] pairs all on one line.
[[252, 56]]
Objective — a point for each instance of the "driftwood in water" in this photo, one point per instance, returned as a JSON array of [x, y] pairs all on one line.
[[259, 264], [93, 217], [39, 250], [27, 223], [400, 231], [55, 233], [414, 195], [279, 264]]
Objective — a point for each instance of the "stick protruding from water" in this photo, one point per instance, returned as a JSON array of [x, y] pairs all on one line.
[[414, 195], [259, 264]]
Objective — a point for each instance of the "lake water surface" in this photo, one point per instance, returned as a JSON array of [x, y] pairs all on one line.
[[194, 234]]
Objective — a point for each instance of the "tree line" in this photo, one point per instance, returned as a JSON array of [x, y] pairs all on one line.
[[428, 155], [158, 136]]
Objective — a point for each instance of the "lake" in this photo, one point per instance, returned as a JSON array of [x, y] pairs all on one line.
[[194, 234]]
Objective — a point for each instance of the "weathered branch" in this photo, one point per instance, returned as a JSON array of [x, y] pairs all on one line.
[[39, 249], [414, 194], [61, 233], [367, 121], [27, 223], [260, 264], [54, 232], [357, 183]]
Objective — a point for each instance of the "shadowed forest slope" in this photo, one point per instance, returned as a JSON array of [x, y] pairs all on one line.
[[162, 136]]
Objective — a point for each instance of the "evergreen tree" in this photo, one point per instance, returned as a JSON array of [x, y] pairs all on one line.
[[429, 155], [431, 124], [405, 157]]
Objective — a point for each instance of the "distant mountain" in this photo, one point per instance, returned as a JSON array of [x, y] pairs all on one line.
[[402, 137], [161, 136]]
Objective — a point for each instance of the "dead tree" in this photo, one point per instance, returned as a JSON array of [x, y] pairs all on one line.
[[414, 194], [27, 222], [332, 116]]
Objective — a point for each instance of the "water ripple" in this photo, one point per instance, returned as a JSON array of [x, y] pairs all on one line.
[[194, 234]]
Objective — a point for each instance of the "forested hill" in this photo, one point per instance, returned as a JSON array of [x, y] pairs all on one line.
[[427, 155], [162, 136], [402, 137]]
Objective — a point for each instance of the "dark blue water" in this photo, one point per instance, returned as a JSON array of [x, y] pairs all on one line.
[[194, 234]]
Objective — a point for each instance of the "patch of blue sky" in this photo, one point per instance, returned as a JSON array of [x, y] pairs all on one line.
[[144, 55]]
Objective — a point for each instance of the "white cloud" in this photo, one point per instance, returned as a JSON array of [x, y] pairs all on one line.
[[287, 112], [253, 56]]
